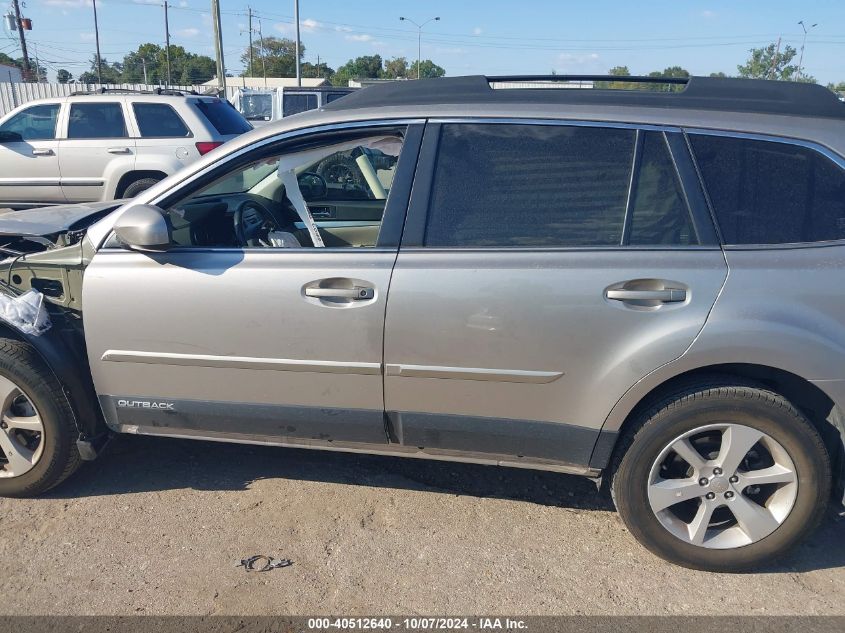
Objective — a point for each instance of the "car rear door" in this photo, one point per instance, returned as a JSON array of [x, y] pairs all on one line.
[[546, 270], [164, 141], [29, 156], [97, 145]]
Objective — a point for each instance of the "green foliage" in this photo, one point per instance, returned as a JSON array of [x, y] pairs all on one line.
[[277, 58], [365, 67], [769, 63], [396, 68], [719, 74], [186, 68], [321, 70], [63, 76], [428, 70]]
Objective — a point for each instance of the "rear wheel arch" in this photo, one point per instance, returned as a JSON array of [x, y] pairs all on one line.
[[134, 176], [825, 415]]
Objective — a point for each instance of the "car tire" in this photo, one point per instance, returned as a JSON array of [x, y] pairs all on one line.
[[44, 458], [750, 525], [137, 186]]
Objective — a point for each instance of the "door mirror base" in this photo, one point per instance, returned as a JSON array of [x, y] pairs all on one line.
[[143, 227]]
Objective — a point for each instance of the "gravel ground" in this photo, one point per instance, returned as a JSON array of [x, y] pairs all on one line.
[[157, 526]]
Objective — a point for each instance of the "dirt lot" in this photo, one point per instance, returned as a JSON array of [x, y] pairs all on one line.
[[157, 527]]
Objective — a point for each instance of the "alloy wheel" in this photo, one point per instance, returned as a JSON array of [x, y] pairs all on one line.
[[21, 431]]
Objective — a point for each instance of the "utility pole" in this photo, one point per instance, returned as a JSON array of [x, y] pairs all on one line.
[[97, 40], [419, 39], [249, 12], [144, 66], [167, 43], [775, 60], [37, 66], [218, 45], [263, 53], [296, 19], [26, 67], [803, 43]]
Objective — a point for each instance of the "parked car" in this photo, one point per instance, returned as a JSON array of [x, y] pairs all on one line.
[[260, 106], [640, 287], [107, 145]]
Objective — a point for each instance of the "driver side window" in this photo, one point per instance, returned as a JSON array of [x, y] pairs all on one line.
[[332, 195], [37, 123]]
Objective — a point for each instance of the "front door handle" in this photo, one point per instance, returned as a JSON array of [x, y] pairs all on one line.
[[42, 151], [664, 296], [119, 150], [358, 293]]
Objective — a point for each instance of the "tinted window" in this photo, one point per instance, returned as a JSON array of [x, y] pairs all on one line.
[[530, 185], [159, 120], [96, 120], [35, 123], [771, 193], [660, 215], [334, 96], [296, 103], [224, 118]]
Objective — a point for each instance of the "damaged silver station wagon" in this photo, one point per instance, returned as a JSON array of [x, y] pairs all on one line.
[[641, 287]]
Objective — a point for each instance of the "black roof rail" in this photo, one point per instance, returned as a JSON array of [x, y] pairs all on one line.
[[697, 93], [134, 91]]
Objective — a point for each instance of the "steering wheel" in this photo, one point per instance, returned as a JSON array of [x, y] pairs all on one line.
[[312, 185], [253, 222]]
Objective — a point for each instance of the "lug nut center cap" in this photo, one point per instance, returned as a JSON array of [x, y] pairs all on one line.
[[720, 485]]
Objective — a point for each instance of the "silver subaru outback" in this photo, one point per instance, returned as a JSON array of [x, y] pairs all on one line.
[[641, 287]]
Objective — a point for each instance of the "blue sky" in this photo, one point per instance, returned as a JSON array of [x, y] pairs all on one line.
[[493, 36]]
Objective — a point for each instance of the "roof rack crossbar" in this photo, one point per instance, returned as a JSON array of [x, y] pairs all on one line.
[[640, 79]]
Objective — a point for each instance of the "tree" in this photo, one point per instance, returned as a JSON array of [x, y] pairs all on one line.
[[396, 68], [719, 74], [111, 73], [277, 58], [63, 76], [321, 70], [428, 70], [365, 67], [840, 87], [769, 63], [671, 71], [617, 71]]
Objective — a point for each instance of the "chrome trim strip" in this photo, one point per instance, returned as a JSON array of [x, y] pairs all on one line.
[[363, 449], [527, 120], [473, 373], [241, 362], [31, 182], [82, 182]]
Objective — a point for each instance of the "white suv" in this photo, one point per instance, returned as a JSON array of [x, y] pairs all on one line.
[[107, 145]]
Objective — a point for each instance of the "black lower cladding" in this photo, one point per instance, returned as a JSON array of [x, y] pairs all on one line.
[[553, 441], [267, 420]]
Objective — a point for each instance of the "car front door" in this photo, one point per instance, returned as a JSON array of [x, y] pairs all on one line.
[[243, 332], [29, 155], [550, 268], [97, 144]]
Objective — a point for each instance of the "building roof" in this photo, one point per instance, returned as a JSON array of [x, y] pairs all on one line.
[[696, 93], [271, 82]]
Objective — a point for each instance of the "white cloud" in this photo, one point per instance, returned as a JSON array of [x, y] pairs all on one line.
[[86, 37], [69, 4], [183, 4], [152, 2], [307, 25], [342, 29], [477, 30], [569, 63], [363, 37], [189, 32]]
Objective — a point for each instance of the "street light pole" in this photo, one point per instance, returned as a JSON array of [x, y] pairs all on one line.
[[803, 43], [419, 39], [97, 39], [296, 19]]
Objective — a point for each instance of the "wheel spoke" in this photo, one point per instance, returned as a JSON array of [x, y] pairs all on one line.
[[684, 448], [699, 524], [7, 390], [20, 458], [776, 474], [668, 492], [24, 423], [736, 442], [755, 520]]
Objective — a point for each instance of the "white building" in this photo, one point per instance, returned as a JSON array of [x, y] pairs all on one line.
[[10, 74]]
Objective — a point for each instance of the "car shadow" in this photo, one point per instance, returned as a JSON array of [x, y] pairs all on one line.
[[136, 464]]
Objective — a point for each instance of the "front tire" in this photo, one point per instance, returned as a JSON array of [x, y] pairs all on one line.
[[137, 186], [37, 430], [723, 477]]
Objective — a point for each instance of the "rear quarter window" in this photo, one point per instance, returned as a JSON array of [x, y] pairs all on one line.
[[159, 120], [768, 192], [223, 117]]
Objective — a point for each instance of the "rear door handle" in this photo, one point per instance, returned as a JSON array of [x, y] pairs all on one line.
[[664, 296], [42, 151], [358, 293], [119, 150]]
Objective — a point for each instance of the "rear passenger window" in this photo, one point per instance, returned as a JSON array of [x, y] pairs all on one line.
[[530, 185], [225, 119], [96, 120], [660, 216], [765, 192], [296, 103], [159, 120]]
